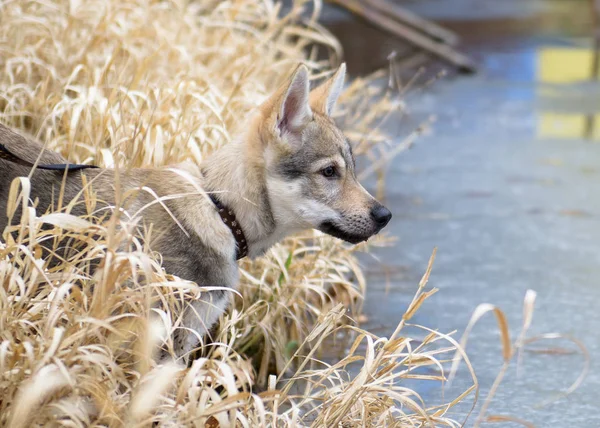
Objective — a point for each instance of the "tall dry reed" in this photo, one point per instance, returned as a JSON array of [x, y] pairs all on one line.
[[126, 83]]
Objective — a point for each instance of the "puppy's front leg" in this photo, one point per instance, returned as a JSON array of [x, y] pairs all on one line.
[[194, 259], [199, 316]]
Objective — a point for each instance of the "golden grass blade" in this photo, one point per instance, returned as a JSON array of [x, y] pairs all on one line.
[[46, 381], [150, 391], [503, 419], [67, 222], [479, 312], [584, 371]]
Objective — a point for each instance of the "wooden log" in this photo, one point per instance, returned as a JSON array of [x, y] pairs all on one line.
[[416, 22], [443, 51]]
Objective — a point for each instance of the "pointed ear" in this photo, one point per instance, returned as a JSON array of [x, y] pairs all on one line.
[[323, 98], [288, 107]]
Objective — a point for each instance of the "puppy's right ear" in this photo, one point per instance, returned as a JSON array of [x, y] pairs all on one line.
[[324, 98], [288, 109]]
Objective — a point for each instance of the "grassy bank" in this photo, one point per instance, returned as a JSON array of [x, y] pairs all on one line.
[[126, 83]]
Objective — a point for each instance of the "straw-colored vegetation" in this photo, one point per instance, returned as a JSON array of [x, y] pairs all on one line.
[[126, 83]]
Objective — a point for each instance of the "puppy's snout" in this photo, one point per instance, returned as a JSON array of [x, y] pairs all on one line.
[[381, 215]]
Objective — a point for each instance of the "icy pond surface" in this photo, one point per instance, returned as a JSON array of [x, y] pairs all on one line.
[[507, 187]]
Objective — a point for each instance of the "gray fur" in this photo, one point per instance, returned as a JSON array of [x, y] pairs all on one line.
[[187, 256]]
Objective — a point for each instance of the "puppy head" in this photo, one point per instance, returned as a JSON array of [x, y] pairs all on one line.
[[310, 168]]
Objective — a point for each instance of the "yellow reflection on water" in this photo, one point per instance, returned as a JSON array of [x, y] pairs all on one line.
[[559, 65], [564, 65], [568, 125]]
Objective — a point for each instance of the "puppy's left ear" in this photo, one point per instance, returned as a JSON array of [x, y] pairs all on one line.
[[287, 110], [294, 110], [323, 98]]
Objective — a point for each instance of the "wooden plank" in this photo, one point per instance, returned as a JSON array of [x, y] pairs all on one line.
[[443, 51], [422, 25]]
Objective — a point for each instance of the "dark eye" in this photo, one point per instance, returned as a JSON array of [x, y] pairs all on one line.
[[329, 172]]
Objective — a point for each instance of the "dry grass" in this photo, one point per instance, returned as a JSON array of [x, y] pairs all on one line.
[[125, 83]]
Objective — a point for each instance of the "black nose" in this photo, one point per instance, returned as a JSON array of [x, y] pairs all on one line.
[[381, 215]]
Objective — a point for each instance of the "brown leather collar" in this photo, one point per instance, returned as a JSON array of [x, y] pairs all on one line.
[[231, 222]]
